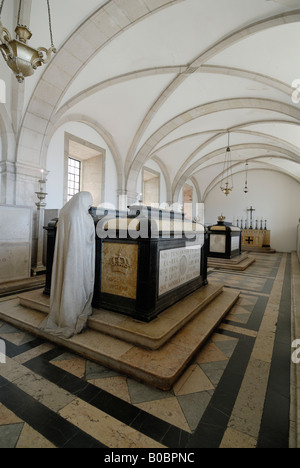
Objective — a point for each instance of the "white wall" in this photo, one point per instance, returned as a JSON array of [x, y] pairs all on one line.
[[274, 196], [55, 164]]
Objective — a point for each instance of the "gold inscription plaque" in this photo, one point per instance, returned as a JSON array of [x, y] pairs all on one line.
[[119, 269]]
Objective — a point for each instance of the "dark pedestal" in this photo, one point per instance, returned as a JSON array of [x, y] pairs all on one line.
[[224, 241], [149, 260], [51, 235]]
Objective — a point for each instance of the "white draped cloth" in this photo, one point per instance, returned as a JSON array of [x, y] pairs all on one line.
[[72, 283]]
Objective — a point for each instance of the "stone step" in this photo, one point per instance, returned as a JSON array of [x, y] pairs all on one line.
[[160, 368], [151, 335], [249, 248], [240, 263], [16, 287]]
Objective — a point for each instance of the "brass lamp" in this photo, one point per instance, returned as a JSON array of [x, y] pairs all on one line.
[[246, 181], [227, 171], [22, 59]]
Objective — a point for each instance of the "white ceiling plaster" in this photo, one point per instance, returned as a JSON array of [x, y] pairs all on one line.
[[272, 52], [200, 89], [150, 103], [174, 36], [120, 108]]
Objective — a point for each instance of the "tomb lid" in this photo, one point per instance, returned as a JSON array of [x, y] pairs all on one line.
[[223, 226], [146, 222]]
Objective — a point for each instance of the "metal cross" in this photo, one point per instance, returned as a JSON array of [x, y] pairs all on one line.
[[251, 212]]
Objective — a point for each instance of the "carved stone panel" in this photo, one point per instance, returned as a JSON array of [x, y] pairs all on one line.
[[235, 243], [217, 243], [15, 243], [177, 267], [119, 269]]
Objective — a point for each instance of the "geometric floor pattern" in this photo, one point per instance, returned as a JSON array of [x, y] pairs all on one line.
[[50, 397]]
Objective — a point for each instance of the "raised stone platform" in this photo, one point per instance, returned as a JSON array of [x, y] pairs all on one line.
[[238, 263], [124, 344], [151, 335], [250, 248]]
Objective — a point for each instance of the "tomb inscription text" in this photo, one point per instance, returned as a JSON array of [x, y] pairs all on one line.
[[178, 266]]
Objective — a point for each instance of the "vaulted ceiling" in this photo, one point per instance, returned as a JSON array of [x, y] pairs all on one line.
[[169, 79]]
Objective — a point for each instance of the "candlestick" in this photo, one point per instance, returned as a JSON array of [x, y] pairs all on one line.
[[41, 194]]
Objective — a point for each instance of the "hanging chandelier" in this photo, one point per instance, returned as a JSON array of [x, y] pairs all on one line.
[[246, 178], [22, 59], [227, 181]]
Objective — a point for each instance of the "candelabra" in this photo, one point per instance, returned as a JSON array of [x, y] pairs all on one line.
[[41, 194]]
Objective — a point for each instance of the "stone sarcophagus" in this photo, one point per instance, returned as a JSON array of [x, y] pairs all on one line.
[[224, 240], [146, 260]]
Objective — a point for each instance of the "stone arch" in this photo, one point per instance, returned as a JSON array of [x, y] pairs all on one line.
[[200, 111], [216, 182], [281, 19], [286, 154], [100, 28], [101, 132], [220, 133]]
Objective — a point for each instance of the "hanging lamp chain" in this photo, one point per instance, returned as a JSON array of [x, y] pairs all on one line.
[[50, 24], [19, 13], [49, 16], [1, 6], [23, 59]]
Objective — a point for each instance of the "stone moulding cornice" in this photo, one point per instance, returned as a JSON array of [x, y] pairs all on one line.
[[7, 167]]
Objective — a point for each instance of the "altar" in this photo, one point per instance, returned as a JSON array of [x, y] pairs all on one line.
[[146, 260], [256, 238]]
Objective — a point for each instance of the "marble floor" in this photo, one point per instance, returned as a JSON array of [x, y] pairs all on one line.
[[236, 393]]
